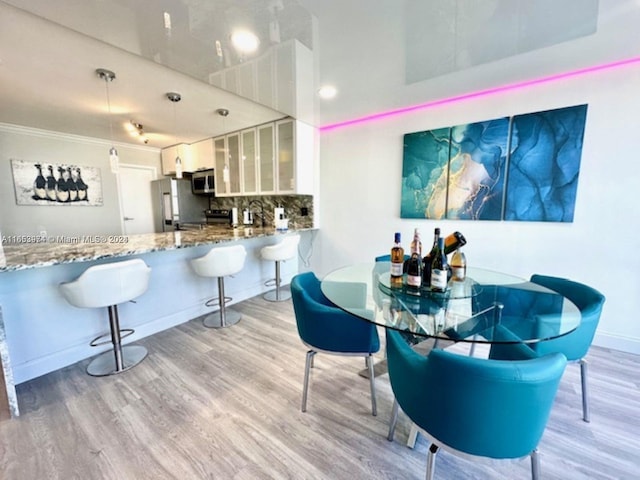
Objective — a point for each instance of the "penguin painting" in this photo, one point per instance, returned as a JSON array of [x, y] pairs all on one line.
[[51, 185], [39, 190]]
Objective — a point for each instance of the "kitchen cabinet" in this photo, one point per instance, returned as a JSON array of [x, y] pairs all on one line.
[[285, 157], [249, 164], [227, 165], [169, 155], [202, 157], [267, 160], [273, 158]]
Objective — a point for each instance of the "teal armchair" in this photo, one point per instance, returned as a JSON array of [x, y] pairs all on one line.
[[325, 328], [481, 407], [574, 345]]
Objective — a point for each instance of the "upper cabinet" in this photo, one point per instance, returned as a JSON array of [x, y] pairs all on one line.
[[272, 158], [202, 155], [194, 157], [169, 155], [282, 79]]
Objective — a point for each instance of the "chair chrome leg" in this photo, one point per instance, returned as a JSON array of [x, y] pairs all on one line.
[[535, 465], [431, 461], [372, 382], [393, 421], [307, 366], [585, 390]]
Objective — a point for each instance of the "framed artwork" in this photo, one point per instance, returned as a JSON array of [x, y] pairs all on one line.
[[520, 168], [48, 183]]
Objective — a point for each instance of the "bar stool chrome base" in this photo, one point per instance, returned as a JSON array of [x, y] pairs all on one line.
[[214, 320], [277, 295], [105, 363]]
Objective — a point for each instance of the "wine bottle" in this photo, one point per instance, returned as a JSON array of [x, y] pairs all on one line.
[[416, 244], [414, 265], [439, 267], [397, 261], [453, 241], [458, 266], [426, 262]]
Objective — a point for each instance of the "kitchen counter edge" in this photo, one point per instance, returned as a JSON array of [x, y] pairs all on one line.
[[86, 248]]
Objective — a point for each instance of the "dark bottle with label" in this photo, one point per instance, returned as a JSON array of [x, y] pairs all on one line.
[[426, 262], [439, 269], [453, 241]]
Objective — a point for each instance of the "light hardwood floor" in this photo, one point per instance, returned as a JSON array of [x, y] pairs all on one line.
[[225, 404]]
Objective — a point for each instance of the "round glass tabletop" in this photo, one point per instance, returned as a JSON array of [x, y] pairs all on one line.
[[488, 307]]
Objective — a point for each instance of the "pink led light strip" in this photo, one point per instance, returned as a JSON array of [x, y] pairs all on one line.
[[481, 93]]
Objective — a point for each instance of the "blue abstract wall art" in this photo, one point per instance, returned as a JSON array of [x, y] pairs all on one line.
[[520, 168]]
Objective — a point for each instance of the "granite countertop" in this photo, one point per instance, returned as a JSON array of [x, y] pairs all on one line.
[[22, 252]]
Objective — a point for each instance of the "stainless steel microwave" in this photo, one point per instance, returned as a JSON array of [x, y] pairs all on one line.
[[203, 183]]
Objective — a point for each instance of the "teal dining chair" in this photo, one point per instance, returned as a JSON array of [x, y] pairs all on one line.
[[488, 408], [325, 328], [574, 345]]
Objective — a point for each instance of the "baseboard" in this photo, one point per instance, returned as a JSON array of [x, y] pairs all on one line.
[[617, 342]]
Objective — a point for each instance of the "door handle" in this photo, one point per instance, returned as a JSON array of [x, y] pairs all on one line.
[[128, 218]]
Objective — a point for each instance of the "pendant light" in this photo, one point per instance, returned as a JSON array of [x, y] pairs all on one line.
[[175, 98], [226, 177], [109, 76]]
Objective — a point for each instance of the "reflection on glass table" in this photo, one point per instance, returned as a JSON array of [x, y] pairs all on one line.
[[488, 307]]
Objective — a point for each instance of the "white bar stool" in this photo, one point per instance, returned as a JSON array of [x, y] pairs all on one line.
[[107, 286], [285, 250], [220, 262]]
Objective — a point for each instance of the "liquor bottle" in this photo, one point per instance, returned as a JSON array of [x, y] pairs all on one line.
[[416, 244], [397, 261], [458, 266], [439, 267], [426, 262], [414, 265], [453, 241]]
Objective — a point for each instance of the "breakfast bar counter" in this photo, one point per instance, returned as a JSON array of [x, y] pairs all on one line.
[[43, 333], [20, 252]]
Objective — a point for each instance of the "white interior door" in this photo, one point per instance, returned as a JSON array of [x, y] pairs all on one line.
[[135, 195]]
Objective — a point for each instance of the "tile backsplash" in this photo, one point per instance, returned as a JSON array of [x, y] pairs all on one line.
[[294, 206]]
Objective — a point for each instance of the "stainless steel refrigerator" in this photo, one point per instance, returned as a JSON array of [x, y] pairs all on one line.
[[174, 204]]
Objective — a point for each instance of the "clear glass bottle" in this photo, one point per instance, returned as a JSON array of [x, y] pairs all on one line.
[[397, 262], [414, 265], [439, 268], [458, 266]]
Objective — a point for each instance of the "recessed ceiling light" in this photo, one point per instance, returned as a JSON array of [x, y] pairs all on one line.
[[327, 92], [245, 41]]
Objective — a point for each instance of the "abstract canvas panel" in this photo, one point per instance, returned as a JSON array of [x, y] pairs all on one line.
[[56, 184], [544, 165], [522, 168]]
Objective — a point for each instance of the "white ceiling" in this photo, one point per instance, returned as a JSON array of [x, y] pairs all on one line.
[[48, 80]]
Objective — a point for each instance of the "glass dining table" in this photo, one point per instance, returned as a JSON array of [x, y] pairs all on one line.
[[487, 307]]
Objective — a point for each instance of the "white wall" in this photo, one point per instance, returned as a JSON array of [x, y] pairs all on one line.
[[43, 146], [360, 183]]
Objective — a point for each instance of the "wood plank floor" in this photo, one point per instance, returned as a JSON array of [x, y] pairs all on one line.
[[225, 404]]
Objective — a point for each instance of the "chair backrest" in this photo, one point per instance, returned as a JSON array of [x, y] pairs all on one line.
[[108, 284], [490, 408], [590, 301], [326, 327], [284, 250], [220, 261]]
